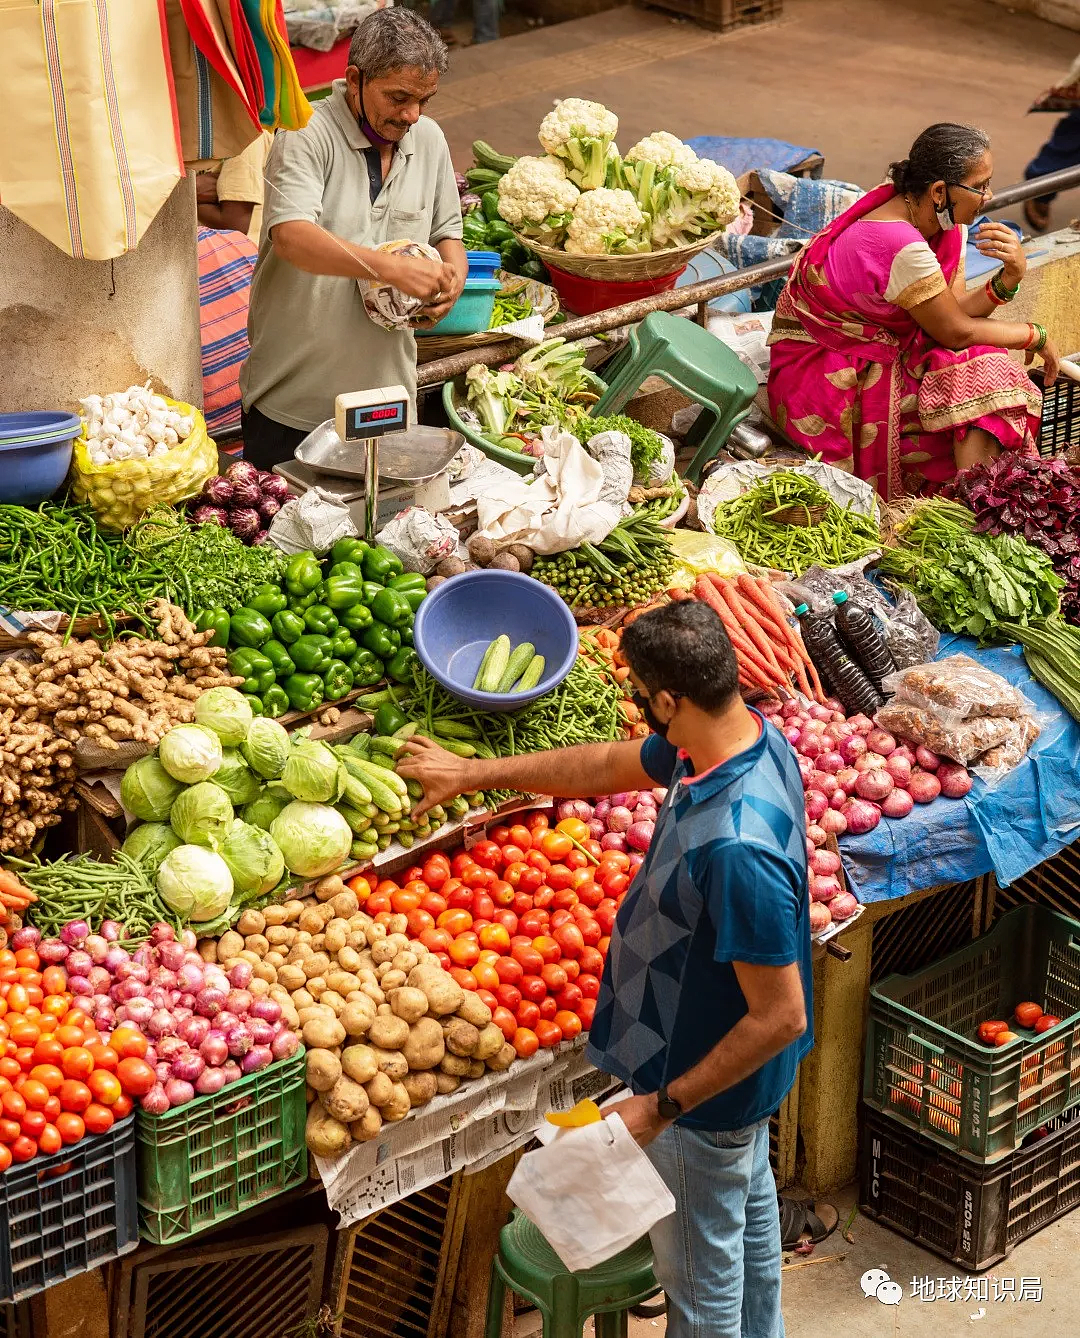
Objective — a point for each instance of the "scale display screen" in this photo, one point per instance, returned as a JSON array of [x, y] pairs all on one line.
[[372, 420]]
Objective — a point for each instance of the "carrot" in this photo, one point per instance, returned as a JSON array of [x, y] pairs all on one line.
[[744, 617], [608, 639], [677, 594], [766, 598], [741, 643], [9, 883]]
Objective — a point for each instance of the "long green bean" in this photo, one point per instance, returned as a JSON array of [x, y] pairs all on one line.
[[78, 887]]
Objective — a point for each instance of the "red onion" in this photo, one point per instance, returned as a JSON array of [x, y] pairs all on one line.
[[898, 804], [821, 713], [905, 751], [824, 781], [97, 947], [112, 931], [575, 808], [160, 932], [188, 1065], [284, 1045], [232, 1071], [193, 1030], [100, 980], [257, 1058], [133, 970], [639, 835], [179, 1092], [816, 834], [210, 1081], [869, 762], [824, 889], [267, 1010], [834, 705], [239, 1040], [75, 933], [162, 1068], [151, 1056], [825, 863], [790, 707], [613, 841], [209, 1002], [809, 847], [238, 1002], [838, 731], [52, 950], [926, 759], [139, 1011], [144, 956], [225, 1022], [214, 1049], [619, 819], [187, 1001], [810, 745], [26, 937], [852, 748], [861, 815], [114, 958], [861, 724], [189, 979], [832, 821], [636, 861], [793, 734], [78, 963], [168, 1046], [899, 768], [880, 741], [161, 1023], [597, 830], [954, 779], [170, 955], [601, 809], [843, 907], [820, 917], [155, 1102], [262, 1033], [158, 997], [924, 787], [847, 779], [831, 762], [875, 785], [816, 804], [128, 990]]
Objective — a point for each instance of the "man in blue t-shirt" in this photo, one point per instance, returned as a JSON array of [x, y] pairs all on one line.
[[705, 1004]]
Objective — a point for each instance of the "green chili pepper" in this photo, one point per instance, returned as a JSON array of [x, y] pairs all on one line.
[[255, 669], [248, 627], [392, 608], [381, 640], [343, 643], [268, 600], [287, 626], [217, 621], [275, 701], [312, 653], [279, 657], [304, 691], [302, 573], [380, 564], [321, 620], [400, 666], [343, 591], [349, 550], [367, 668], [356, 618], [337, 681]]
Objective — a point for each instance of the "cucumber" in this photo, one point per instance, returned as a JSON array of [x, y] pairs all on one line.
[[384, 841], [382, 743], [381, 821], [358, 746], [485, 156], [484, 664], [532, 674], [519, 660], [458, 747], [381, 761], [405, 839], [458, 807], [495, 666], [415, 789], [454, 729], [406, 731], [356, 792], [363, 850], [373, 775], [358, 822]]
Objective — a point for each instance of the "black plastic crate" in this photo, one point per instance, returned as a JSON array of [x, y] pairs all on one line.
[[68, 1213], [972, 1215], [1060, 413]]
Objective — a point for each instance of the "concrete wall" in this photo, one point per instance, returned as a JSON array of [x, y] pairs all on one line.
[[1064, 12], [72, 327]]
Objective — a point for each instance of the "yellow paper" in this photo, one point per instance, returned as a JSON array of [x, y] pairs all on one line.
[[585, 1112]]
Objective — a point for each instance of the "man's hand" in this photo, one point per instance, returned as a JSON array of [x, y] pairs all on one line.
[[428, 280], [434, 312], [443, 775], [1001, 243], [642, 1117]]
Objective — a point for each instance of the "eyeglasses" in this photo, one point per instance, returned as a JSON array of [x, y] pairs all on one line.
[[983, 192]]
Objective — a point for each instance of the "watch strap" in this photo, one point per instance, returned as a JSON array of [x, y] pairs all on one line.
[[667, 1105]]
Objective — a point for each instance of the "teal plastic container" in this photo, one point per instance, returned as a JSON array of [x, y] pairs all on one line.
[[473, 310]]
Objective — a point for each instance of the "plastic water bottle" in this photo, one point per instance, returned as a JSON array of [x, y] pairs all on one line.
[[826, 650], [859, 632]]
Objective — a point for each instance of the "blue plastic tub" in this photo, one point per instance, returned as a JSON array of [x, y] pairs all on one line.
[[459, 619], [35, 454], [483, 264], [473, 310]]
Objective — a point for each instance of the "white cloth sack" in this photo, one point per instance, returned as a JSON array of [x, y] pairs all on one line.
[[591, 1191], [558, 508], [315, 520]]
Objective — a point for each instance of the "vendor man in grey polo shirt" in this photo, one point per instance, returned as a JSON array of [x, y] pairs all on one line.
[[368, 168]]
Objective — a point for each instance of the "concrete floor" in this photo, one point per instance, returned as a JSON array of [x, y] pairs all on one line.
[[856, 79]]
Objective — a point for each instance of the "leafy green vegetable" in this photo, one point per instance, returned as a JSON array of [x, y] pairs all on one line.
[[202, 815], [149, 843], [255, 862], [225, 711], [195, 883], [645, 444], [266, 748], [190, 753], [313, 838], [148, 791]]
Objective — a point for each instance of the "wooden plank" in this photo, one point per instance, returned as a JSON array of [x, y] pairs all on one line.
[[486, 1212]]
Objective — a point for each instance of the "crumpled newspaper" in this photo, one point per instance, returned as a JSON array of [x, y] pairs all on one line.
[[419, 538], [612, 450], [316, 521], [729, 481], [388, 306]]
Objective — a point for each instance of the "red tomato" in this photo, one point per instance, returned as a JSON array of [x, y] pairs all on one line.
[[9, 1130], [436, 871], [99, 1119], [70, 1127], [577, 859], [501, 892], [605, 915], [559, 876], [546, 946], [534, 922], [54, 980], [574, 828], [535, 860], [512, 854], [479, 878], [571, 967], [505, 1020], [360, 885], [13, 1105], [27, 957], [485, 975], [565, 899], [1005, 1037], [33, 1122], [488, 855], [5, 1157], [1047, 1021], [553, 976], [532, 880], [570, 997], [514, 873], [543, 897], [533, 988], [444, 961], [136, 1078], [561, 917], [384, 918], [451, 885], [377, 903], [619, 860], [52, 1109], [460, 898], [18, 1001], [507, 919], [462, 860], [989, 1030], [483, 908], [495, 936], [528, 1014], [586, 1012], [35, 1094], [524, 1042], [24, 1148], [500, 834], [509, 970], [455, 921], [590, 932], [1027, 1014], [536, 820], [569, 1024], [556, 845], [77, 1062], [508, 996], [48, 1074], [588, 985], [522, 903], [570, 940], [104, 1087], [594, 848], [464, 978], [530, 960], [487, 997], [436, 940], [521, 836], [464, 952], [402, 901], [76, 1096], [434, 903], [548, 1008], [549, 1034], [418, 920]]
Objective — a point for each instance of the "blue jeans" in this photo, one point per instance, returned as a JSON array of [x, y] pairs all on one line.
[[485, 17], [1061, 150], [718, 1256]]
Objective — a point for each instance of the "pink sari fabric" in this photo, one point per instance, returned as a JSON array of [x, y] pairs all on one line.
[[855, 380]]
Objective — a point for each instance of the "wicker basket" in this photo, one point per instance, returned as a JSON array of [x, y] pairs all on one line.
[[804, 516], [621, 269], [545, 301]]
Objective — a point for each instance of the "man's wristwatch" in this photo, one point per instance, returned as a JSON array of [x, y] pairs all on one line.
[[668, 1107]]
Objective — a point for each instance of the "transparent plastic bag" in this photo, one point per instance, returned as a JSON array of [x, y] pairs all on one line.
[[910, 636], [389, 306], [120, 491], [956, 689], [959, 740], [998, 761]]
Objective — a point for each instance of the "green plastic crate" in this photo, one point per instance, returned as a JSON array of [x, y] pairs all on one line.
[[202, 1163], [924, 1066]]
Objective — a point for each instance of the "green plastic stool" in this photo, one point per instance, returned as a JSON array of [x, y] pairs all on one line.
[[527, 1264], [692, 360]]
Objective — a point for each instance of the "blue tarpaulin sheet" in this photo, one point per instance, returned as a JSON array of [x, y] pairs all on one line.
[[1007, 828], [747, 155]]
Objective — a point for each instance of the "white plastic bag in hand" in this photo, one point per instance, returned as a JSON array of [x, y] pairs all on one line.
[[591, 1191]]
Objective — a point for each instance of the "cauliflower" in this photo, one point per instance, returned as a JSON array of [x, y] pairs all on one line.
[[661, 148], [536, 198], [580, 133], [607, 222], [703, 197]]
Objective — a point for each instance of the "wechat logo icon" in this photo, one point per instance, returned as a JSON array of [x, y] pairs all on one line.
[[876, 1282]]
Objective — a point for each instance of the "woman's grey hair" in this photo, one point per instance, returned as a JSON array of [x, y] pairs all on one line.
[[943, 152], [391, 39]]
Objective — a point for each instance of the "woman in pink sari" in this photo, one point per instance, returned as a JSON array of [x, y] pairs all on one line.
[[882, 362]]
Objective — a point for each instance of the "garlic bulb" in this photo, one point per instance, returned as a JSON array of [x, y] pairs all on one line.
[[133, 425]]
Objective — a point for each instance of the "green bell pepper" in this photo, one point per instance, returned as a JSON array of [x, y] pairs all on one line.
[[512, 255], [392, 608], [412, 585], [535, 269], [474, 228], [301, 603], [379, 639], [343, 591], [499, 233], [268, 599], [356, 618], [406, 634], [275, 701], [371, 589], [312, 654], [304, 691], [287, 626], [257, 707], [380, 564], [214, 620], [389, 719], [349, 550], [337, 681], [489, 202], [249, 628], [302, 573], [367, 668], [345, 569], [400, 666], [254, 668], [280, 658], [321, 620], [343, 644]]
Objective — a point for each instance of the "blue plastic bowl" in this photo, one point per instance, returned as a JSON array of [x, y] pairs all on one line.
[[459, 619], [35, 454]]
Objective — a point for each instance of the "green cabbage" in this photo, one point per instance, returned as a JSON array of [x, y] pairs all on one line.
[[225, 711], [190, 753], [149, 843], [255, 862], [148, 790], [313, 773], [266, 748], [262, 811], [195, 883], [236, 778], [313, 838], [202, 815]]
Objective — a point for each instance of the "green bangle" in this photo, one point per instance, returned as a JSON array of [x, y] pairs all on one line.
[[1040, 342], [998, 285]]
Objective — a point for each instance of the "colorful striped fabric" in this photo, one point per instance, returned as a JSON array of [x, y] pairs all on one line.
[[226, 263]]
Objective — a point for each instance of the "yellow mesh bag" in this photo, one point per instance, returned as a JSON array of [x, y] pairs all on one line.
[[122, 490]]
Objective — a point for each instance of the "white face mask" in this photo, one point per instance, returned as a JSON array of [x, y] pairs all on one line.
[[944, 213]]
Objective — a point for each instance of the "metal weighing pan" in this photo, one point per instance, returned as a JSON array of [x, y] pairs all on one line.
[[415, 456]]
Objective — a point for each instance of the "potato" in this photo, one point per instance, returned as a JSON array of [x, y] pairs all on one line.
[[318, 943], [275, 916], [489, 1042], [392, 980], [303, 998], [323, 1070], [257, 943], [348, 959], [407, 1003], [424, 1047], [323, 1033], [325, 1136], [262, 977], [331, 999], [274, 958], [398, 1106], [335, 936], [454, 1065], [360, 1062], [393, 1063], [389, 1032], [208, 949], [298, 953], [279, 935], [421, 1087], [445, 1083], [316, 986], [379, 1089], [345, 904], [343, 981], [474, 1010], [293, 910], [373, 992], [346, 1100], [405, 961], [383, 952], [505, 562], [328, 887], [248, 955], [358, 1015], [358, 939], [310, 921], [318, 964], [476, 1069], [397, 924], [251, 922], [303, 937], [444, 994], [501, 1061], [313, 1010], [368, 1128], [462, 1038], [229, 944], [525, 556], [375, 931]]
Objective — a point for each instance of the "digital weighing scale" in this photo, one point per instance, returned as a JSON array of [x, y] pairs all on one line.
[[379, 421]]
